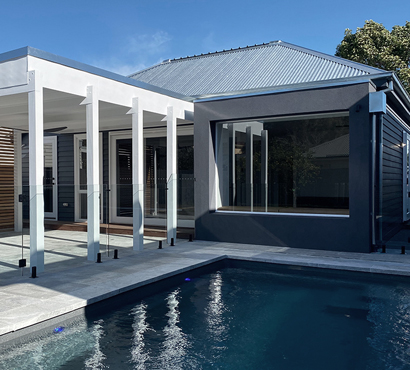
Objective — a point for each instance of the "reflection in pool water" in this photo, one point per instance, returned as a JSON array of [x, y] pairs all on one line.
[[237, 319]]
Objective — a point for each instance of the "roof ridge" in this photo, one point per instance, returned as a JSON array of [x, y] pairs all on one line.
[[209, 54], [331, 58], [247, 47]]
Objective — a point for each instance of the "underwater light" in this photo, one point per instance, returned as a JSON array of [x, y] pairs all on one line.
[[187, 279], [59, 329]]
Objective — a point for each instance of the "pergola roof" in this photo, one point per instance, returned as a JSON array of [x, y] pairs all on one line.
[[64, 84]]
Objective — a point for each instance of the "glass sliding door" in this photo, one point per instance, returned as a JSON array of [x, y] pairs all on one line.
[[123, 178], [80, 175], [155, 173], [82, 185], [155, 178], [50, 177]]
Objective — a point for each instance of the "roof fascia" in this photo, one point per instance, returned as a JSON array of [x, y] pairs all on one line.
[[30, 51], [294, 87], [398, 92], [401, 90], [14, 54]]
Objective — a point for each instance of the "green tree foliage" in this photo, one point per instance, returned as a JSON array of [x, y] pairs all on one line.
[[378, 47]]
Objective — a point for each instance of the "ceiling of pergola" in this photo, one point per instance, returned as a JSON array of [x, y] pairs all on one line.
[[64, 114]]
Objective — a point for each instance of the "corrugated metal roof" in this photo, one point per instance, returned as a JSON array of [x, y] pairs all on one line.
[[261, 66]]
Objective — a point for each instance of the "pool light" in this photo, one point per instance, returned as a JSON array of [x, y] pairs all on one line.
[[58, 329]]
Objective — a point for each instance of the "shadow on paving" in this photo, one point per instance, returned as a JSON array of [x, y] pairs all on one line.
[[63, 250]]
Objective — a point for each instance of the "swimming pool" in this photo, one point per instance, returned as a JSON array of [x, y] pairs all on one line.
[[243, 317]]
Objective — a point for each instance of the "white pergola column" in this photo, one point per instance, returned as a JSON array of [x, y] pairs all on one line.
[[137, 174], [264, 168], [36, 173], [171, 175], [93, 175]]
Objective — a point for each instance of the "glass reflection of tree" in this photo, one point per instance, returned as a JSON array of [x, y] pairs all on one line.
[[293, 163], [291, 159]]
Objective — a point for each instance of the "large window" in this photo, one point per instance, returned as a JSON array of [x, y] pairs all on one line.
[[291, 164]]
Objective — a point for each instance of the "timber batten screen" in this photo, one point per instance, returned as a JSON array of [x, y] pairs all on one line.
[[6, 178]]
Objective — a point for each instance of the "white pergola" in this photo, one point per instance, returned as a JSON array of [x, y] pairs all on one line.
[[40, 91]]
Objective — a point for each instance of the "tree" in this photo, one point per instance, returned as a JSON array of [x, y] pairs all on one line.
[[378, 47]]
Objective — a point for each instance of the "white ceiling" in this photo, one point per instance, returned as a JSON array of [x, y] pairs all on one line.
[[64, 110]]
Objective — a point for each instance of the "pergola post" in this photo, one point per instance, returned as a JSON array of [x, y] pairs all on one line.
[[36, 173], [171, 175], [93, 186], [137, 174]]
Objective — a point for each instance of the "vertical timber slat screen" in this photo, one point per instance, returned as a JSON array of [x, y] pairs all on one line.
[[6, 179]]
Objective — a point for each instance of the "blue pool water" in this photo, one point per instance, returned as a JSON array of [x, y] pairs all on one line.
[[236, 318]]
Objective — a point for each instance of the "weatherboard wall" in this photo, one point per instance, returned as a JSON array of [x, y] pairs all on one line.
[[392, 183], [65, 177]]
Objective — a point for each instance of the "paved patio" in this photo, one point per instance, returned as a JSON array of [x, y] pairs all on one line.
[[71, 283], [63, 250]]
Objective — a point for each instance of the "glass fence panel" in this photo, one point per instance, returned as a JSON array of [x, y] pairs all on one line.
[[65, 221], [185, 196], [155, 199], [14, 239]]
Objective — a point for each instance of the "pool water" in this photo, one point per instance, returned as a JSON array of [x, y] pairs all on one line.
[[237, 318]]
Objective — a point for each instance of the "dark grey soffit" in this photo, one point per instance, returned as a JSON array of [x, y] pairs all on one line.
[[28, 50]]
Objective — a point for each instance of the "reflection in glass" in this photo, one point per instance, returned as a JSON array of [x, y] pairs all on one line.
[[156, 177], [124, 178], [82, 168], [48, 177], [294, 164]]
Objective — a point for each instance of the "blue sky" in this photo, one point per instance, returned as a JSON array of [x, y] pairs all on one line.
[[125, 36]]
